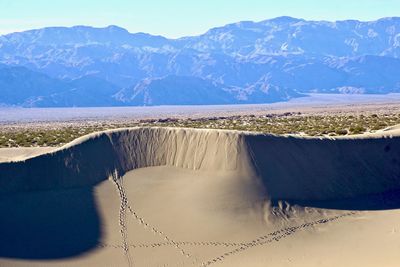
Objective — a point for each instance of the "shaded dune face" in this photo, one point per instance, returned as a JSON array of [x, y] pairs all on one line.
[[325, 169], [35, 204], [288, 168], [94, 158]]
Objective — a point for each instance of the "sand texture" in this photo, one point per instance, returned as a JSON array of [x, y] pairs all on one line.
[[21, 153], [186, 197]]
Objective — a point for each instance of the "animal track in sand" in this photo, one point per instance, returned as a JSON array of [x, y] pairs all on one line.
[[154, 245], [118, 182], [275, 236], [122, 216]]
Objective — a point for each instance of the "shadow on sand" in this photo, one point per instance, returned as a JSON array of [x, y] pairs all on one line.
[[48, 209], [383, 201], [345, 174], [48, 225]]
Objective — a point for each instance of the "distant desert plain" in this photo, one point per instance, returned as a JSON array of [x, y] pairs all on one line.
[[177, 196]]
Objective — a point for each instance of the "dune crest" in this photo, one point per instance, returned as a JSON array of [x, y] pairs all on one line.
[[289, 168]]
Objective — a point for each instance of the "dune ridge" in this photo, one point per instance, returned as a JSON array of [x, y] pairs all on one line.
[[289, 168]]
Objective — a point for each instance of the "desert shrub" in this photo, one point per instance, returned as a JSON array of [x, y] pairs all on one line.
[[341, 132], [358, 129]]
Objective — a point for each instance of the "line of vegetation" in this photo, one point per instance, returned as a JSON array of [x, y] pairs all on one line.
[[288, 123]]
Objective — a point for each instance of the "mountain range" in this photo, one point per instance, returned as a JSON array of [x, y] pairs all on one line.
[[245, 62]]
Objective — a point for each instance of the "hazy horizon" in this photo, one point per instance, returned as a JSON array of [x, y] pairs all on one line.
[[174, 19], [216, 26]]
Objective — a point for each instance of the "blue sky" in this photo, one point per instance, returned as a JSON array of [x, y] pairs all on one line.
[[176, 18]]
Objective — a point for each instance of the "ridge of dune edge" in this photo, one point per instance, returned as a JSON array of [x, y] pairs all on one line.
[[286, 167]]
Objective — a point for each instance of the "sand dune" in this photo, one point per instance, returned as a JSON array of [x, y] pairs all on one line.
[[185, 197], [21, 153]]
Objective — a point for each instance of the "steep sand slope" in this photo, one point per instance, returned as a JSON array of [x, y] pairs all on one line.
[[184, 197], [288, 167]]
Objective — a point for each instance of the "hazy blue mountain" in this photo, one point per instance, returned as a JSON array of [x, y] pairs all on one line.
[[83, 92], [175, 90], [285, 35], [19, 85], [187, 90], [22, 87], [245, 62]]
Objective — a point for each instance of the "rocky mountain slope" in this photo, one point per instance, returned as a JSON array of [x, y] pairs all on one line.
[[245, 62]]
